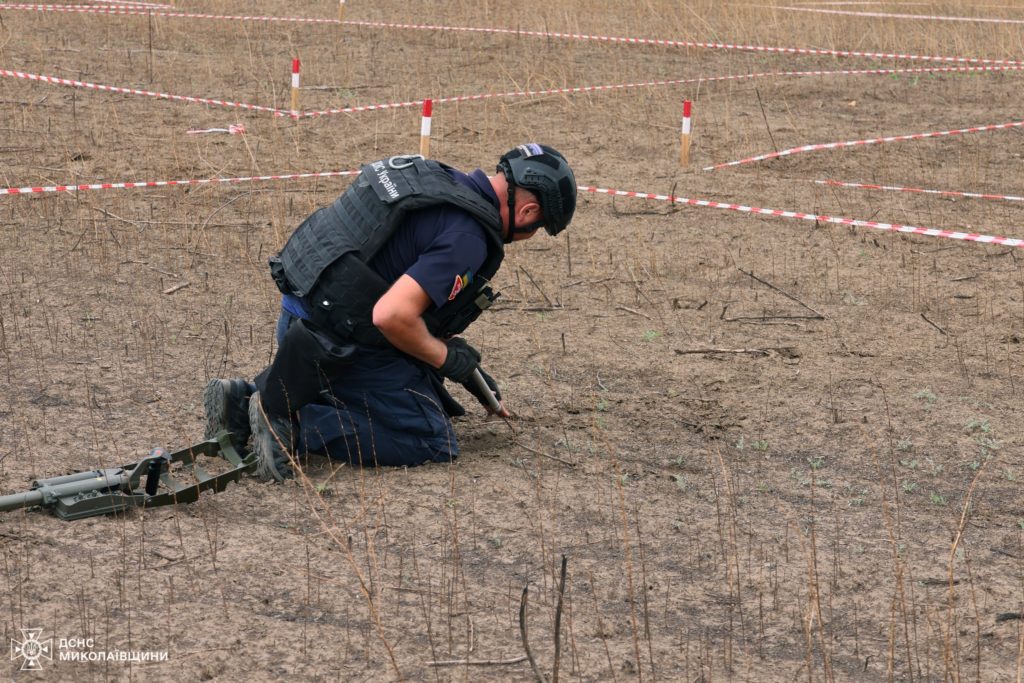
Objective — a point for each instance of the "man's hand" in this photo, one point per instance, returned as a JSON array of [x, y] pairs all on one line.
[[461, 361]]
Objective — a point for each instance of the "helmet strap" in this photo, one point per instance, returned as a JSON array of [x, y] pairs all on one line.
[[511, 208], [513, 229]]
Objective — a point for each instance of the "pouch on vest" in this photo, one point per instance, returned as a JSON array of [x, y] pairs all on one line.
[[304, 365], [277, 273], [456, 315], [340, 300]]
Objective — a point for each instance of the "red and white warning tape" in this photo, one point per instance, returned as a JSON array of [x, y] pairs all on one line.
[[168, 183], [55, 80], [916, 190], [683, 43], [648, 84], [126, 10], [131, 4], [134, 91], [779, 213], [776, 213], [232, 129], [887, 15], [860, 143], [855, 2], [517, 32]]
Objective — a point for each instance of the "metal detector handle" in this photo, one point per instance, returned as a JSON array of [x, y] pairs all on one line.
[[157, 458], [492, 400]]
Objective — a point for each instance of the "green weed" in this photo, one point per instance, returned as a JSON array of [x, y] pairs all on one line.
[[926, 395], [978, 426]]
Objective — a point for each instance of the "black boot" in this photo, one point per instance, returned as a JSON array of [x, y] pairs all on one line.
[[226, 402], [272, 442]]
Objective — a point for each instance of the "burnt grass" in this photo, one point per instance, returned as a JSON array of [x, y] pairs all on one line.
[[769, 449]]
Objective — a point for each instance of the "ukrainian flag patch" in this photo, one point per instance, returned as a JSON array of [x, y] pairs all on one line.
[[460, 283]]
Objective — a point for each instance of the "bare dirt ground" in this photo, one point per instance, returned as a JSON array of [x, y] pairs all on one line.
[[779, 450]]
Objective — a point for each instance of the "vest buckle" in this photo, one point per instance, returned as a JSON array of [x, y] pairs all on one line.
[[400, 161]]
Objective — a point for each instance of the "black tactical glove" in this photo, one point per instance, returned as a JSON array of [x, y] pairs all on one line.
[[474, 389], [461, 361]]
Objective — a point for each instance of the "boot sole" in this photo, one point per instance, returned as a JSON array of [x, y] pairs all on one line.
[[263, 444], [215, 408]]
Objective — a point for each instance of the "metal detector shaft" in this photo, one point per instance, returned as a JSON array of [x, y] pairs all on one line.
[[21, 500], [43, 490], [147, 483]]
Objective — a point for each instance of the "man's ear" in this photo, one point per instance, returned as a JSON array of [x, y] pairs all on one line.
[[529, 213]]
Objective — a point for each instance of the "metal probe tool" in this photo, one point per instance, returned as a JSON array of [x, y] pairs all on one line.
[[492, 400]]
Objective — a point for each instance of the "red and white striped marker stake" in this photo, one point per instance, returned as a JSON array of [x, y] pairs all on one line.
[[428, 110], [684, 137], [295, 86], [341, 10]]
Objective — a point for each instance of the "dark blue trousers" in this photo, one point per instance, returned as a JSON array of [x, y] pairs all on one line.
[[383, 409]]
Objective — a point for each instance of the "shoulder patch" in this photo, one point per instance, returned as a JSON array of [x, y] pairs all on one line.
[[460, 282]]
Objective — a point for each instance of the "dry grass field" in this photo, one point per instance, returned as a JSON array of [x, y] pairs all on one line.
[[767, 449]]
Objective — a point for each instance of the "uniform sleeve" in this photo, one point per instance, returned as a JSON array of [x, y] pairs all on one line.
[[450, 261]]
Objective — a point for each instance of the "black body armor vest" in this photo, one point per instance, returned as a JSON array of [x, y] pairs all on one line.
[[325, 260]]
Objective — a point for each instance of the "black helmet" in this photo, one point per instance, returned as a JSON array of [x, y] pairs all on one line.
[[546, 173]]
